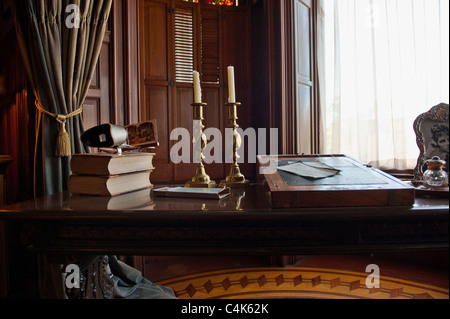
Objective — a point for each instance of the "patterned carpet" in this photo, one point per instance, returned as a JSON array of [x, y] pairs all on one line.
[[296, 282]]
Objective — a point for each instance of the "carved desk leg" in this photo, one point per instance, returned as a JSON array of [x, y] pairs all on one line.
[[95, 281]]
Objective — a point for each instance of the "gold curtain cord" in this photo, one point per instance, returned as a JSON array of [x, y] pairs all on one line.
[[62, 142]]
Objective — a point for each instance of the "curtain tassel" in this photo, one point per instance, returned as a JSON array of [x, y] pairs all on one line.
[[62, 141]]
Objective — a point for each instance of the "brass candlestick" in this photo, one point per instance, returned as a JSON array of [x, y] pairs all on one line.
[[200, 179], [235, 179]]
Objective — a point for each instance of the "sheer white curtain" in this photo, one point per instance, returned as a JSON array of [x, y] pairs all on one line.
[[381, 64]]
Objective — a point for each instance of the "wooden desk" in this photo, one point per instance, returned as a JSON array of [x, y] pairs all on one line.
[[140, 224]]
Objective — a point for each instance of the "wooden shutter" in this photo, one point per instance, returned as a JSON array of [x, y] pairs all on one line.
[[184, 45], [210, 58]]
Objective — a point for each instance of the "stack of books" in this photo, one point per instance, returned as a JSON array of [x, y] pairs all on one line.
[[106, 174]]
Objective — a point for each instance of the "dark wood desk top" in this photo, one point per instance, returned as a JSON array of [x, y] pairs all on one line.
[[139, 223], [143, 205]]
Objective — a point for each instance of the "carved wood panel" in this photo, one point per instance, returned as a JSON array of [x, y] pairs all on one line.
[[190, 238]]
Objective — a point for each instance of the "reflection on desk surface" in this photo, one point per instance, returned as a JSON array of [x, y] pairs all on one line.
[[141, 200], [249, 200]]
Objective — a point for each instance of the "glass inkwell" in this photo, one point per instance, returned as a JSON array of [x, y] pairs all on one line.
[[435, 176]]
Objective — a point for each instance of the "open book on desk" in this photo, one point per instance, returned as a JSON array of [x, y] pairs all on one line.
[[206, 193]]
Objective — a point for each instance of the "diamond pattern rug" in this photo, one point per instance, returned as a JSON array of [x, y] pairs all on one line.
[[296, 282]]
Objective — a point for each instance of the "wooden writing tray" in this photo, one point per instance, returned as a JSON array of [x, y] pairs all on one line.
[[357, 184]]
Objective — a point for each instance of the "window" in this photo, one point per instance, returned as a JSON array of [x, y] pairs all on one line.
[[384, 63]]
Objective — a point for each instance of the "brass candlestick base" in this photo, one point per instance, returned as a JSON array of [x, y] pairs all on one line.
[[200, 179], [235, 179]]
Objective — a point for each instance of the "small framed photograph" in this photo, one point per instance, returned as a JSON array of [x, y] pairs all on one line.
[[431, 130], [144, 134]]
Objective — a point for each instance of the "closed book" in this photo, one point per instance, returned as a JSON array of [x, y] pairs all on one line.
[[109, 185], [206, 193], [103, 164]]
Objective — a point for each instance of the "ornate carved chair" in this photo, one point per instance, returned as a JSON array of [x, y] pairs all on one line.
[[432, 138]]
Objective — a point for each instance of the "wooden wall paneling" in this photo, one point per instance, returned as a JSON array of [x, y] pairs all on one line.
[[91, 105], [131, 60], [114, 88], [154, 44], [95, 81], [91, 115], [99, 94], [237, 29], [238, 53], [184, 96], [159, 98], [117, 41], [156, 96], [91, 111], [260, 62]]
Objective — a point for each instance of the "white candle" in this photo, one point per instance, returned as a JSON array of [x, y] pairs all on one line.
[[231, 91], [197, 89]]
